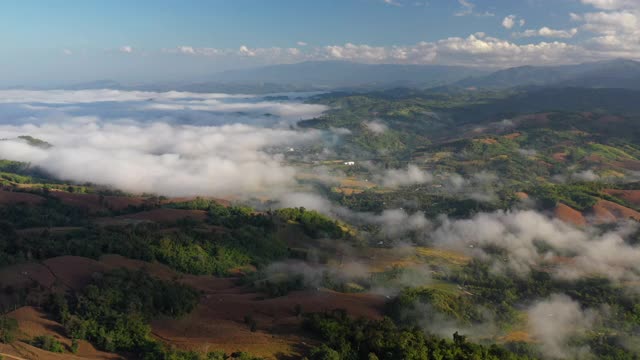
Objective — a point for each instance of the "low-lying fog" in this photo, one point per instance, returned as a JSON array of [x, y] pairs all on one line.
[[167, 143]]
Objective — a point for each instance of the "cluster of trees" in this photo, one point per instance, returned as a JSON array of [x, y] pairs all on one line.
[[8, 329], [277, 286], [185, 250], [48, 343], [417, 198], [113, 311], [346, 338], [313, 223], [228, 216], [580, 196], [52, 212], [457, 307]]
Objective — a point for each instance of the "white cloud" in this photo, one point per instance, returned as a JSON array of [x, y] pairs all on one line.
[[376, 127], [548, 32], [301, 43], [467, 8], [519, 233], [67, 52], [158, 158], [126, 49], [509, 21], [141, 153], [587, 175], [412, 175], [555, 321], [245, 51], [609, 23], [617, 35], [392, 2], [617, 30], [104, 95], [613, 4], [489, 51]]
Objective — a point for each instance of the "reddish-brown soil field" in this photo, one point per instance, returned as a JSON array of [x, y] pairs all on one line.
[[223, 202], [74, 271], [569, 215], [630, 196], [217, 323], [51, 230], [167, 215], [513, 135], [611, 119], [156, 269], [35, 277], [606, 211], [627, 164], [14, 197], [34, 322], [559, 156], [487, 141], [93, 203]]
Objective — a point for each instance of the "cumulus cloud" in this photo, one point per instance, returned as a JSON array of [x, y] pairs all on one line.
[[616, 27], [616, 35], [613, 4], [477, 49], [509, 21], [608, 23], [245, 51], [548, 32], [126, 49], [269, 55], [392, 2]]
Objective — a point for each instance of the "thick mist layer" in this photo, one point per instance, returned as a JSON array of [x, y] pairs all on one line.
[[31, 106], [215, 147]]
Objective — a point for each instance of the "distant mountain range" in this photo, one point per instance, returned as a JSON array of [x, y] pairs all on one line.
[[620, 73], [340, 75]]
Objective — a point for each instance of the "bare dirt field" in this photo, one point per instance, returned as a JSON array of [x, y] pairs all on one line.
[[217, 323], [15, 197], [156, 215], [630, 196], [34, 322], [569, 215], [606, 211]]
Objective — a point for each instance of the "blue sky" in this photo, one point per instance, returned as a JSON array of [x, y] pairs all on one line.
[[156, 40]]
